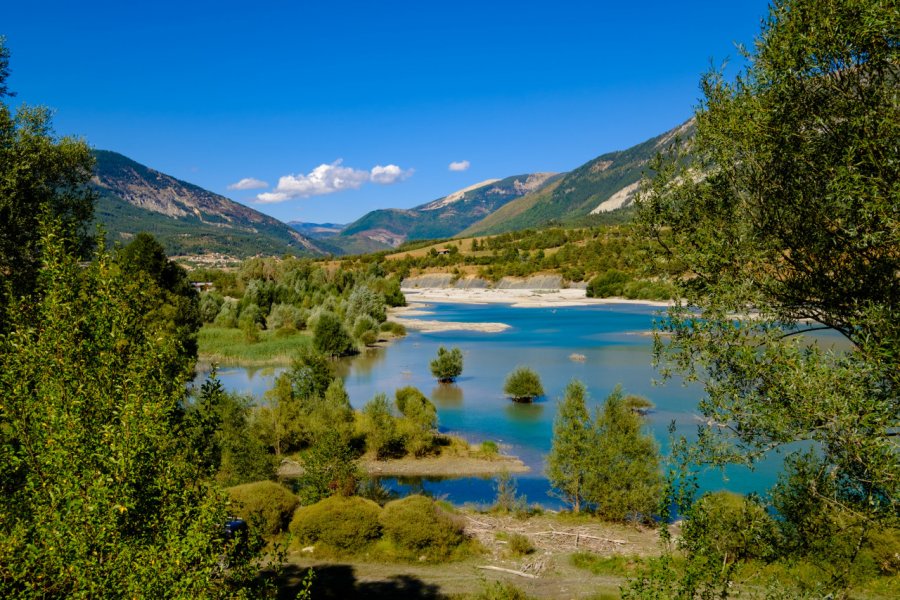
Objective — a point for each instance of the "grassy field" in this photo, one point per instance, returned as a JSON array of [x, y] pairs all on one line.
[[226, 346]]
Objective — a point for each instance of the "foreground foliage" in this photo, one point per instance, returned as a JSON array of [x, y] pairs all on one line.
[[97, 495], [786, 219]]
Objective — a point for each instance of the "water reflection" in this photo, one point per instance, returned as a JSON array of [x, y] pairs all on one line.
[[525, 412], [447, 394]]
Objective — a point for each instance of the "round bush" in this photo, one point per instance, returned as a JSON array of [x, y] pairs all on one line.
[[264, 502], [345, 523], [417, 523], [730, 527]]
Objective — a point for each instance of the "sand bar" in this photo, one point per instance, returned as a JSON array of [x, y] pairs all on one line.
[[530, 298]]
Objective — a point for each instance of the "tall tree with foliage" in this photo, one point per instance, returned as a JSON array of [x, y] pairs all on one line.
[[177, 307], [330, 337], [785, 216], [97, 496], [41, 176], [624, 482], [569, 460]]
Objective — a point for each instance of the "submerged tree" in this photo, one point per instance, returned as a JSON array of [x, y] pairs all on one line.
[[448, 365], [785, 216], [523, 385]]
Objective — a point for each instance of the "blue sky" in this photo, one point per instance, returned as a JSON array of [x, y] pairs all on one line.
[[354, 106]]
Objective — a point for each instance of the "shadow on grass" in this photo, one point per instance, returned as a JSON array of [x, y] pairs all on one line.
[[335, 582]]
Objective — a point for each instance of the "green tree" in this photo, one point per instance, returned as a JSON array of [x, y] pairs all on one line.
[[624, 482], [97, 497], [41, 176], [448, 365], [330, 337], [311, 373], [380, 427], [419, 420], [569, 460], [523, 385], [785, 216], [329, 468], [177, 307]]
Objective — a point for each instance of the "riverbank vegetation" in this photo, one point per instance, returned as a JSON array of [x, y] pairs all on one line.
[[283, 303], [613, 255]]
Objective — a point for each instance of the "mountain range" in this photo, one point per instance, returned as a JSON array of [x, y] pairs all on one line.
[[189, 220], [185, 218]]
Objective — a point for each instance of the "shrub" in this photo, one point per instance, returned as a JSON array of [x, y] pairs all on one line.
[[488, 449], [611, 283], [348, 524], [393, 327], [418, 524], [266, 502], [727, 527], [380, 428], [448, 365], [520, 545], [285, 316], [365, 330], [227, 316], [501, 590], [330, 337], [210, 305], [523, 385]]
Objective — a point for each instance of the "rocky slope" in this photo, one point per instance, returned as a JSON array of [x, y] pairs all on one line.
[[602, 185], [447, 216], [185, 218]]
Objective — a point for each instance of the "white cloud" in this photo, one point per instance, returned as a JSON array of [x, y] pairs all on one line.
[[248, 183], [461, 165], [389, 174], [330, 178]]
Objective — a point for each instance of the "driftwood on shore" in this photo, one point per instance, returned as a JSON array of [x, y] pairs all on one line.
[[511, 571]]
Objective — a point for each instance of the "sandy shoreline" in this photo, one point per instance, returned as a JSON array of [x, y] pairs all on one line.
[[441, 466], [529, 298]]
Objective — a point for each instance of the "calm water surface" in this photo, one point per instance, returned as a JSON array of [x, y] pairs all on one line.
[[617, 347]]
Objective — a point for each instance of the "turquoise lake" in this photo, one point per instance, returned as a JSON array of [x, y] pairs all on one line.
[[615, 340]]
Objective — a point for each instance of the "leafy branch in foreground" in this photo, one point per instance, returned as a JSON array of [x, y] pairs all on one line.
[[785, 216]]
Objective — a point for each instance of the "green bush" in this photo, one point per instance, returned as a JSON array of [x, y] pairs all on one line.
[[397, 329], [610, 283], [520, 545], [285, 316], [266, 502], [227, 316], [348, 524], [330, 337], [418, 524], [501, 590], [448, 365], [523, 385], [727, 527]]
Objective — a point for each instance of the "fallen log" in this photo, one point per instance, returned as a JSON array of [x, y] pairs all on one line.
[[510, 571]]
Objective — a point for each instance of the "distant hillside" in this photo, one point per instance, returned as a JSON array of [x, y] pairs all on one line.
[[185, 218], [602, 185], [447, 216], [316, 230]]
